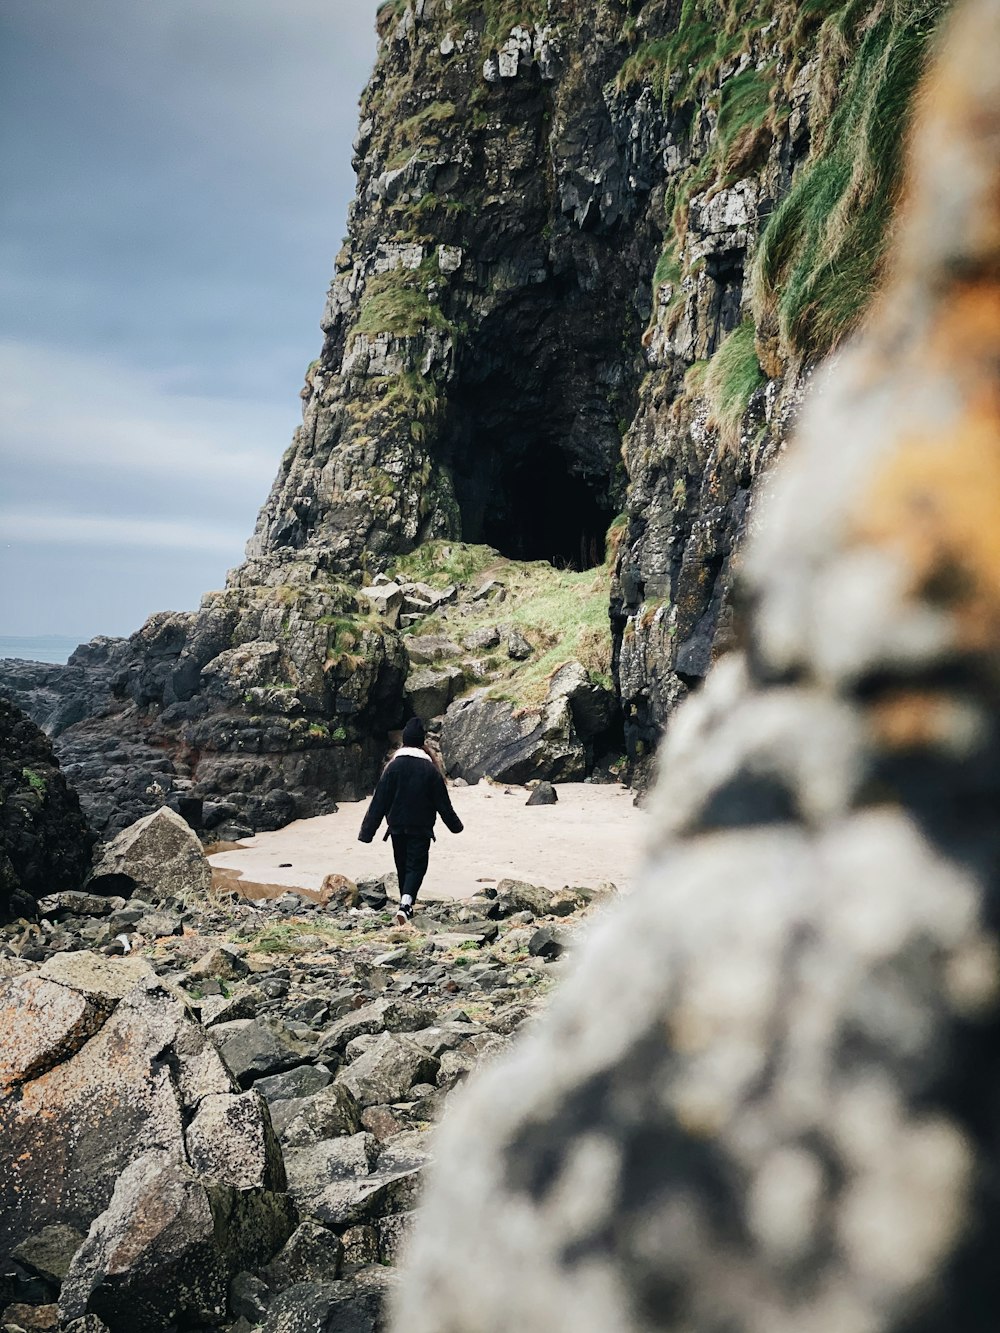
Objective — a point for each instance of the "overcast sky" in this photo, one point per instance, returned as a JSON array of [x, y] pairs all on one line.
[[175, 180]]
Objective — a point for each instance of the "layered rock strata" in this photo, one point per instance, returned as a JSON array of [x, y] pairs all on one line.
[[764, 1100]]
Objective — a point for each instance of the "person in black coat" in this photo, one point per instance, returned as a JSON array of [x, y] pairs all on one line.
[[411, 793]]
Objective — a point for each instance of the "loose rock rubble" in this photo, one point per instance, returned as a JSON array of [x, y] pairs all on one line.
[[243, 1103]]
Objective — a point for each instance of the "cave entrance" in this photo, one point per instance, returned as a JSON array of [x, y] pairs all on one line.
[[530, 506]]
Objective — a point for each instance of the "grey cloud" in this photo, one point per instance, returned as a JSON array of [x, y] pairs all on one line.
[[179, 179]]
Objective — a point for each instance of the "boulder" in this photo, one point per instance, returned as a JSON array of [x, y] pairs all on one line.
[[483, 639], [45, 842], [167, 1247], [547, 943], [593, 707], [120, 1123], [311, 1169], [230, 1141], [331, 1112], [31, 1318], [299, 1082], [244, 1003], [388, 1071], [518, 647], [387, 1015], [430, 690], [220, 963], [426, 649], [312, 1253], [544, 794], [105, 980], [59, 906], [326, 1307], [517, 896], [158, 856], [483, 737], [348, 1202], [252, 1049], [386, 600], [50, 1252]]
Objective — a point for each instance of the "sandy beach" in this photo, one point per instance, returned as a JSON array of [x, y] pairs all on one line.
[[593, 834]]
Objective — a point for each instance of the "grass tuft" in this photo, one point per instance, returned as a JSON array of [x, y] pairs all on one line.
[[731, 378], [822, 252]]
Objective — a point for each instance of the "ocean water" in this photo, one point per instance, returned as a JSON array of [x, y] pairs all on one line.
[[38, 647]]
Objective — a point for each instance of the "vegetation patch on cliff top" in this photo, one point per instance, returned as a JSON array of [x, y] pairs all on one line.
[[399, 302], [562, 613]]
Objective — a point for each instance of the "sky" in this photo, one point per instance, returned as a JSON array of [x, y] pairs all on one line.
[[175, 180]]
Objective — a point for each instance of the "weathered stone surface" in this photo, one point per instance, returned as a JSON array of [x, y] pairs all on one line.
[[103, 979], [298, 1083], [330, 1112], [426, 649], [50, 1252], [483, 737], [227, 1008], [312, 1254], [72, 902], [230, 1141], [763, 1100], [222, 963], [253, 1048], [325, 1307], [311, 1169], [347, 1202], [31, 1318], [517, 896], [157, 856], [546, 943], [387, 1015], [44, 839], [167, 1246], [120, 1124], [42, 1023], [543, 794], [431, 689], [388, 1071]]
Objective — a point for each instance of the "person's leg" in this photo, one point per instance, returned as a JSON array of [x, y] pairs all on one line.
[[417, 854], [399, 843]]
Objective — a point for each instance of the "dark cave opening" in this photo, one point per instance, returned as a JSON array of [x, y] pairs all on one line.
[[527, 503]]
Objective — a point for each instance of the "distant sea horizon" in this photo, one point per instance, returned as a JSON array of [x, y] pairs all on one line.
[[39, 647]]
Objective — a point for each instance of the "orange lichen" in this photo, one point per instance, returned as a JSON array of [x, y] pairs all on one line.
[[937, 502], [913, 719]]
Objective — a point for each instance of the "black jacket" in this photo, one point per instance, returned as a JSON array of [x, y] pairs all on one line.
[[410, 794]]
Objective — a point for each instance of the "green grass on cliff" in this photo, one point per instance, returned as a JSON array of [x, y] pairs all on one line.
[[821, 254], [562, 613], [399, 302], [730, 380]]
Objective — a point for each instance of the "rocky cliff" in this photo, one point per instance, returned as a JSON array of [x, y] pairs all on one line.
[[596, 249], [764, 1099]]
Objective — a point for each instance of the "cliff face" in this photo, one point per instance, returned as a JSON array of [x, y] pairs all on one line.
[[595, 250]]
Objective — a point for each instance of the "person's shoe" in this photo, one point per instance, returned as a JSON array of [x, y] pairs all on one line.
[[400, 919], [405, 913]]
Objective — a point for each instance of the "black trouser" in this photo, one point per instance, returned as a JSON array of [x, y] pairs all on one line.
[[411, 851]]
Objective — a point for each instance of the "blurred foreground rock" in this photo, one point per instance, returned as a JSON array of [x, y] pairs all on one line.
[[766, 1099]]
